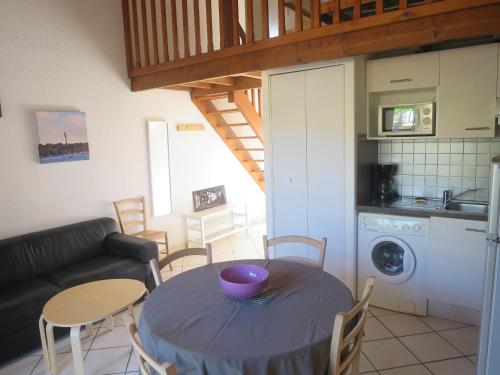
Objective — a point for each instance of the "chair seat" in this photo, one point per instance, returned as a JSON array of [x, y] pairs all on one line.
[[150, 234], [302, 260]]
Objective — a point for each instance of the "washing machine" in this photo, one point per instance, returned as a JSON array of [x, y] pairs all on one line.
[[394, 249]]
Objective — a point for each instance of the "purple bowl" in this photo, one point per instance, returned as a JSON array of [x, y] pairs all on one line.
[[243, 280]]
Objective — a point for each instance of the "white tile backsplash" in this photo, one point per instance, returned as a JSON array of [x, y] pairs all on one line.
[[427, 167]]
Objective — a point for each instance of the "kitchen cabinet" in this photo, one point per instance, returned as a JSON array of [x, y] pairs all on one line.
[[456, 262], [403, 73], [306, 166], [498, 72], [467, 92]]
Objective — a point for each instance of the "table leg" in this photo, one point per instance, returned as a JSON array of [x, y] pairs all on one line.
[[43, 338], [76, 348], [51, 347]]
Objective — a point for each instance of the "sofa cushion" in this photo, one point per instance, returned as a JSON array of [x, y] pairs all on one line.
[[21, 303], [31, 255], [98, 268]]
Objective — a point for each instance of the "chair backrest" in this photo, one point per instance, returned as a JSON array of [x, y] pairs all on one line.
[[320, 245], [348, 332], [157, 266], [144, 359], [131, 213]]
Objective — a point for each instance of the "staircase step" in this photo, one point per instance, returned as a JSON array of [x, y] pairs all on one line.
[[224, 111], [258, 160], [240, 124], [213, 97]]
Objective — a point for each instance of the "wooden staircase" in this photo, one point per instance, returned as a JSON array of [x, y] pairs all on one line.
[[236, 116]]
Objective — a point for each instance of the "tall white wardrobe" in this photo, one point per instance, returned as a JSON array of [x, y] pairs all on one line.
[[310, 125]]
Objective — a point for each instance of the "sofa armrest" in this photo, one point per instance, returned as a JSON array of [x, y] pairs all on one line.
[[133, 247]]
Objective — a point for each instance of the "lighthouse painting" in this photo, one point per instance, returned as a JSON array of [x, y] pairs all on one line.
[[62, 136]]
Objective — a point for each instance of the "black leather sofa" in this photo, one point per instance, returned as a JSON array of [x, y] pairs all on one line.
[[36, 266]]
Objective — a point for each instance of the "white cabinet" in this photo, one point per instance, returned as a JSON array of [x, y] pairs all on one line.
[[288, 162], [403, 73], [456, 262], [306, 161], [467, 92]]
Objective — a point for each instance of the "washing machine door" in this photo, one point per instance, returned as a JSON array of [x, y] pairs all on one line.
[[392, 259]]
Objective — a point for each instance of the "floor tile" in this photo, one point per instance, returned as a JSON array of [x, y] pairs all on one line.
[[430, 347], [408, 370], [386, 354], [404, 324], [107, 361], [64, 363], [377, 311], [374, 330], [20, 366], [473, 358], [459, 366], [464, 339], [364, 364], [107, 338], [439, 324]]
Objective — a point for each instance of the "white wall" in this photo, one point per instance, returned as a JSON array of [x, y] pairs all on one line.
[[69, 55]]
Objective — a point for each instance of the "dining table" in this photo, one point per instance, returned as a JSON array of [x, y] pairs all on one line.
[[190, 321]]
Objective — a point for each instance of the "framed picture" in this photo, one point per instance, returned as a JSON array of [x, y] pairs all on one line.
[[62, 136], [208, 198]]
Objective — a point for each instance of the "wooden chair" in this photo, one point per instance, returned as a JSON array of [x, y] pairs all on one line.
[[345, 349], [131, 214], [320, 245], [157, 266], [144, 359]]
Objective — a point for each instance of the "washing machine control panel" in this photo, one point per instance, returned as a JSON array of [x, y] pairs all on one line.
[[409, 227], [396, 225]]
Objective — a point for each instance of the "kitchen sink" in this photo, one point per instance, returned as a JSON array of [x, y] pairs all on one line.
[[467, 207]]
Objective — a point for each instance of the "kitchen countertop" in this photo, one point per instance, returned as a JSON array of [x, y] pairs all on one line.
[[408, 207]]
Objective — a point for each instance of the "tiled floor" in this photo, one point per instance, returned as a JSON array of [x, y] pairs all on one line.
[[401, 344], [395, 344]]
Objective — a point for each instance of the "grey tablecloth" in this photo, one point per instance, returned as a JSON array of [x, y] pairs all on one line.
[[189, 322]]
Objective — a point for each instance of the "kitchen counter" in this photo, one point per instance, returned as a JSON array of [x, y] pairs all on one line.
[[408, 207]]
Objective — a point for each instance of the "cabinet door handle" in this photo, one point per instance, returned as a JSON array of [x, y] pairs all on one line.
[[400, 80], [480, 128], [475, 230]]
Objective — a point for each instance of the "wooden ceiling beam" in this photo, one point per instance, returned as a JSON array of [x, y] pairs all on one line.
[[413, 27]]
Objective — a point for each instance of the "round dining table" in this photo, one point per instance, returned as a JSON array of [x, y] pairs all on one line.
[[191, 322]]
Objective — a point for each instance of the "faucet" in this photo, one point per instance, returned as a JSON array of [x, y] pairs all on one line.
[[447, 196]]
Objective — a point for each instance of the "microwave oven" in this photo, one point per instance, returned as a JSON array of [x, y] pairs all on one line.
[[406, 119]]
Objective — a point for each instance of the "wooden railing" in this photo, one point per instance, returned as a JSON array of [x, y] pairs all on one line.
[[255, 97], [161, 35]]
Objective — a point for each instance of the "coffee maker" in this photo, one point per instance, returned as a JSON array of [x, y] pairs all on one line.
[[383, 188]]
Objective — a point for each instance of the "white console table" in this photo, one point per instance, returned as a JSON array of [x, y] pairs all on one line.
[[215, 223]]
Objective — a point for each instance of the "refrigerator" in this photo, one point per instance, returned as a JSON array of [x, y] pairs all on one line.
[[489, 343]]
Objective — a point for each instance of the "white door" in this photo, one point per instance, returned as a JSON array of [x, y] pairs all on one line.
[[326, 162], [288, 148]]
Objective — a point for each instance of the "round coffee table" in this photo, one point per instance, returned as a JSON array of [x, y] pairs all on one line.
[[83, 305]]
